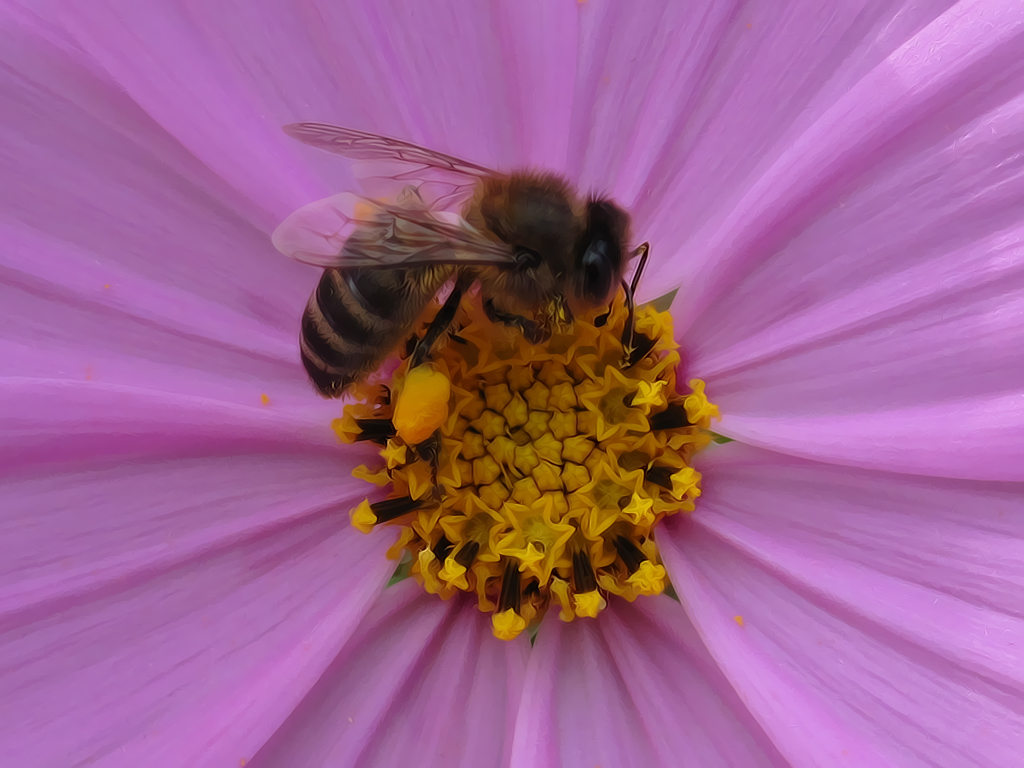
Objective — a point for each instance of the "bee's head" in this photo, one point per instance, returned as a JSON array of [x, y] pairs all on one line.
[[562, 248], [600, 253], [537, 215]]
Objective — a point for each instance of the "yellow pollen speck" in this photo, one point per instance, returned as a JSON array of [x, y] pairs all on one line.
[[738, 619], [534, 476], [422, 404], [507, 625], [106, 286], [265, 399]]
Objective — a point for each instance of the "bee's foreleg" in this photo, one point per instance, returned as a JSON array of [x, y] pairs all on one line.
[[635, 346], [534, 332], [439, 324]]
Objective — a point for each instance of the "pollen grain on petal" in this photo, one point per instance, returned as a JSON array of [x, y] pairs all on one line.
[[534, 476]]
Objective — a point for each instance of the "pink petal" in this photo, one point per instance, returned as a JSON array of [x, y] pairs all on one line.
[[866, 618], [95, 185], [50, 422], [255, 67], [173, 612], [861, 302], [422, 683], [635, 687], [681, 107]]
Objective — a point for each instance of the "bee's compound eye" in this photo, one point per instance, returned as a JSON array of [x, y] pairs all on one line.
[[597, 270]]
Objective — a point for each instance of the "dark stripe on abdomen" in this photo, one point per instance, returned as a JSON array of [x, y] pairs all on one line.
[[334, 304], [329, 384], [321, 346], [375, 289]]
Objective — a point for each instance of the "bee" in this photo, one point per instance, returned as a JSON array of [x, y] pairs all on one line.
[[538, 250]]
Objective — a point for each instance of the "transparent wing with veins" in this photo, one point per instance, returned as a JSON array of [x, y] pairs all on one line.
[[388, 165], [348, 230]]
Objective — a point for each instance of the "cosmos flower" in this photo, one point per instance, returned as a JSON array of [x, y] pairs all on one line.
[[835, 189]]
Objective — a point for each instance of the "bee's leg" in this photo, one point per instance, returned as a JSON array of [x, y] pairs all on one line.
[[439, 324], [430, 451], [534, 332], [635, 346], [643, 251]]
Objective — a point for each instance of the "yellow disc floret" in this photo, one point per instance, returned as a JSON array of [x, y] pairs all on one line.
[[532, 476]]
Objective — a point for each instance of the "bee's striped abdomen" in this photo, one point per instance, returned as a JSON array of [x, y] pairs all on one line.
[[355, 317]]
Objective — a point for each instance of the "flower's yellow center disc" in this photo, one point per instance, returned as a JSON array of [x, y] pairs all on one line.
[[529, 474]]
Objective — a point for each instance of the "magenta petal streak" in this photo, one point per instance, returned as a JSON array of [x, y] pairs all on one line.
[[837, 189], [881, 614], [421, 683], [635, 688], [184, 629], [863, 301]]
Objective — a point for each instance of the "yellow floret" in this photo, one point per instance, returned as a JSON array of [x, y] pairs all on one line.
[[552, 467]]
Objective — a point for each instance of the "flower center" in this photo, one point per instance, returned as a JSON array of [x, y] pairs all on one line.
[[531, 475]]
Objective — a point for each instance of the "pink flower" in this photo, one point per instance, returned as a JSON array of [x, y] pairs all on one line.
[[835, 188]]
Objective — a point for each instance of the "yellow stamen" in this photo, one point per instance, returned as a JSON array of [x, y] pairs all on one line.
[[588, 604], [551, 468], [698, 408], [363, 518], [507, 625], [649, 578], [380, 477], [454, 574], [394, 454]]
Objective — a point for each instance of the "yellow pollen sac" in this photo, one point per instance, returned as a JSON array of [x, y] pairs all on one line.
[[422, 404], [534, 476]]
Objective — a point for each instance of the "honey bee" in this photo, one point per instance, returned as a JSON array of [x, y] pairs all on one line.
[[538, 250]]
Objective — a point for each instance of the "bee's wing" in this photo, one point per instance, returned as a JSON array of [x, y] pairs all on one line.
[[390, 164], [347, 230]]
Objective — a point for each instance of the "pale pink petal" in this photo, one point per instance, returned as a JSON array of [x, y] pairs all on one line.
[[866, 618], [173, 612], [423, 682], [635, 687], [223, 77], [47, 422], [176, 562], [89, 176], [679, 108], [862, 301]]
